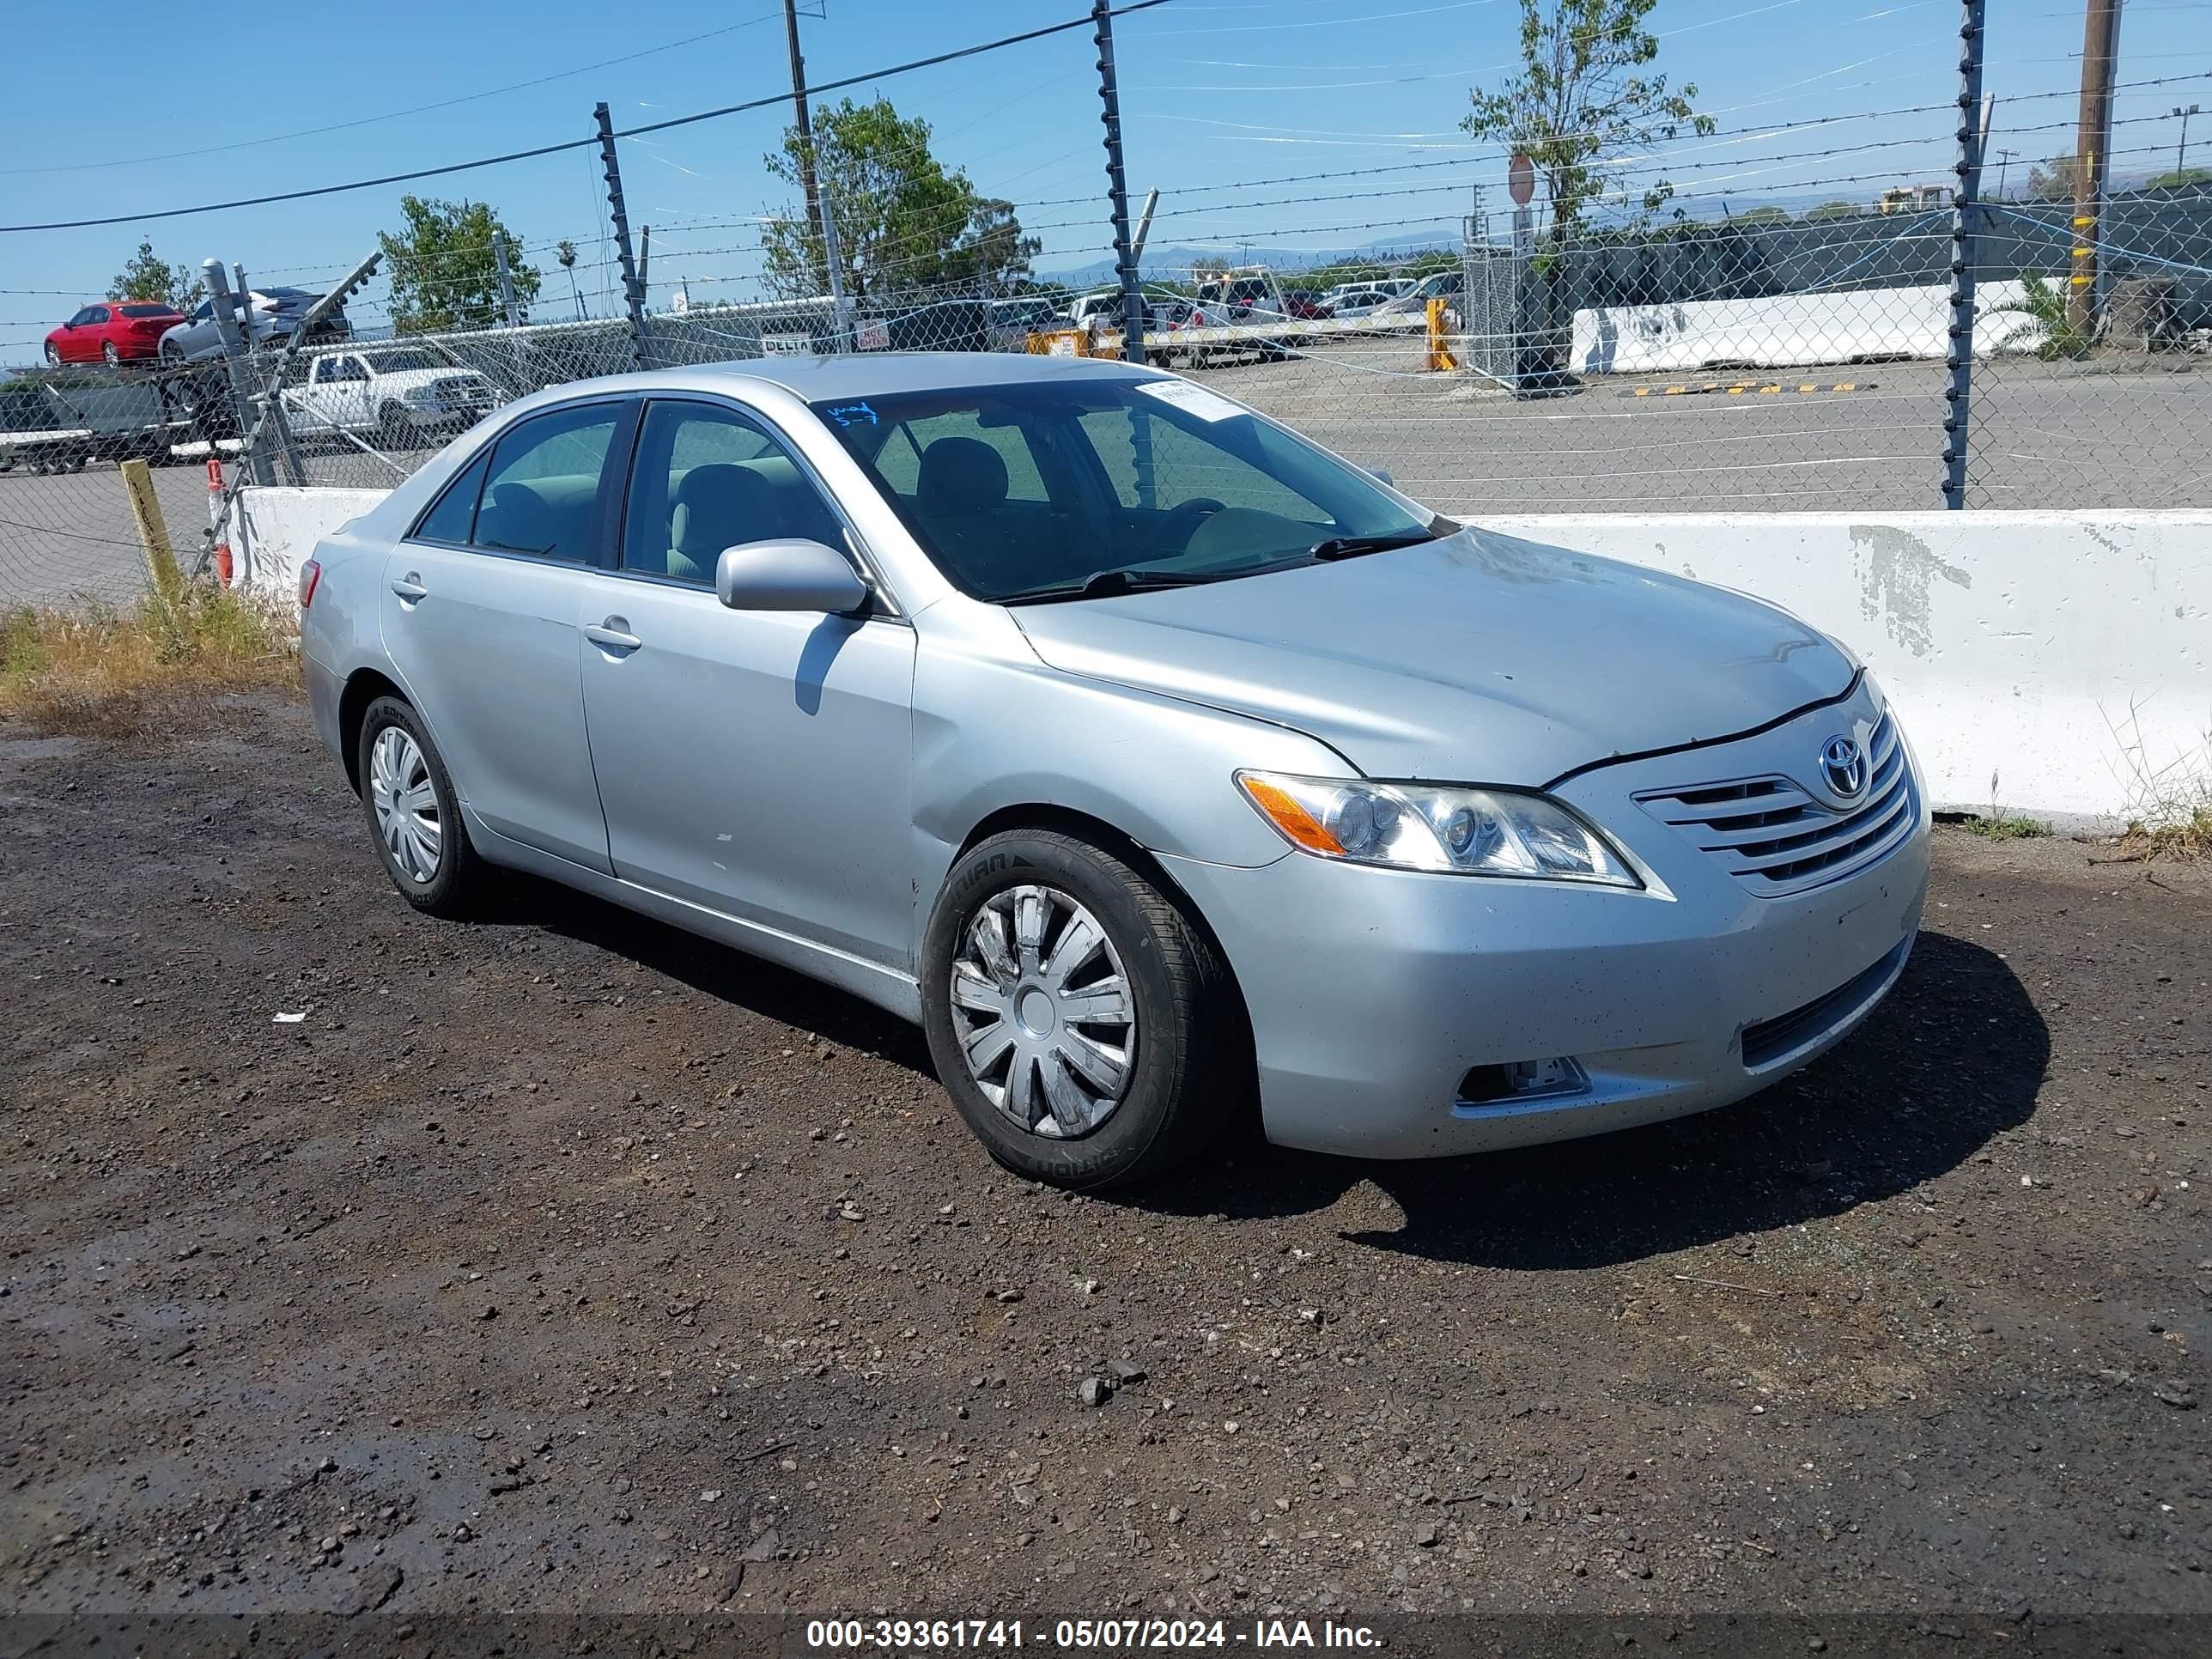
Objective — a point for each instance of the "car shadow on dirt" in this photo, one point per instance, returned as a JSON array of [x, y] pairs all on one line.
[[749, 982], [1954, 1056]]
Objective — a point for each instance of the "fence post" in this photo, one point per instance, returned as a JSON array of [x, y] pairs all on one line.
[[632, 294], [1965, 222], [233, 360], [840, 307], [281, 444], [1117, 188]]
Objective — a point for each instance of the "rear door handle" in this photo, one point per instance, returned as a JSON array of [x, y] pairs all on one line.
[[612, 635], [409, 588]]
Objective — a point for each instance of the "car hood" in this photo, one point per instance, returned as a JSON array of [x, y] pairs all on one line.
[[1476, 659]]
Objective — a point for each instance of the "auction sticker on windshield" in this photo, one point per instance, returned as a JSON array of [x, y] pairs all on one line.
[[1192, 399]]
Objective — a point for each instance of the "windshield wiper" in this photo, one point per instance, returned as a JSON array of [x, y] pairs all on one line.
[[1351, 547], [1105, 584]]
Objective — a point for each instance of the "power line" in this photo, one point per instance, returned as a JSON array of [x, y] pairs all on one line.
[[1084, 21], [398, 114]]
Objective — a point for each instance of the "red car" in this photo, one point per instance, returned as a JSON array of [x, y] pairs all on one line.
[[113, 331]]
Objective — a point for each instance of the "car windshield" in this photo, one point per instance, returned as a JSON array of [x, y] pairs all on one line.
[[1036, 489]]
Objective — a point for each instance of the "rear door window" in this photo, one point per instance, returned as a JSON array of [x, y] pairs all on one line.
[[454, 516], [541, 496]]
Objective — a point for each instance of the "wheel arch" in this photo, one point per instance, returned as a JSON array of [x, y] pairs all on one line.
[[363, 687], [1086, 826]]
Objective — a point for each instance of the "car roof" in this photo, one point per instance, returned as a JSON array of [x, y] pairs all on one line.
[[886, 373]]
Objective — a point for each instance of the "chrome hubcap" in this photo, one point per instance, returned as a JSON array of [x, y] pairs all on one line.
[[406, 804], [1043, 1012]]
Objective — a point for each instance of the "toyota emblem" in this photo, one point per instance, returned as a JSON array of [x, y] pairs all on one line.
[[1844, 767]]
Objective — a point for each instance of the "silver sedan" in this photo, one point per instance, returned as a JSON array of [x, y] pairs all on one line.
[[1150, 755]]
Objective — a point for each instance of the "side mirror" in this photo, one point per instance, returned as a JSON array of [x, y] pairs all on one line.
[[1381, 476], [792, 575]]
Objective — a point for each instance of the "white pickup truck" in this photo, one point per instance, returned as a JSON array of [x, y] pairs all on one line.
[[400, 395]]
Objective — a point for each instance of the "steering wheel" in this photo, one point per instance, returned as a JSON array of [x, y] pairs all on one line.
[[1185, 517]]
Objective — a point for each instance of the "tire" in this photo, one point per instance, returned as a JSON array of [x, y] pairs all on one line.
[[109, 355], [393, 433], [53, 356], [456, 877], [1186, 1064]]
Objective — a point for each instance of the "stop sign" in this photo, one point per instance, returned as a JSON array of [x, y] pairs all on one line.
[[1521, 179]]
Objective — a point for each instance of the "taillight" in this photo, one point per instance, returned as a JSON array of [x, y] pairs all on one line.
[[310, 574]]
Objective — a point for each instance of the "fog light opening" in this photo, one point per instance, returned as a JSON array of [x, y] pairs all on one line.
[[1521, 1079]]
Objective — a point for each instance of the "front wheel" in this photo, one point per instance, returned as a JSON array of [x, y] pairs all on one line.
[[1083, 1026], [414, 813], [53, 356], [393, 433]]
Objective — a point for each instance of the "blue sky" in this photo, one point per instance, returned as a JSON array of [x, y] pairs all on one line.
[[1215, 94]]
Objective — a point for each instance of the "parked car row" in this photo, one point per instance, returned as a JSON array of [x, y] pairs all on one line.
[[118, 331]]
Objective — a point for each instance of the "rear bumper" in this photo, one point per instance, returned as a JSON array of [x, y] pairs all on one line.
[[324, 690], [1381, 1000]]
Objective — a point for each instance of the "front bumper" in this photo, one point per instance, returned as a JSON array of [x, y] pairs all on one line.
[[1375, 993]]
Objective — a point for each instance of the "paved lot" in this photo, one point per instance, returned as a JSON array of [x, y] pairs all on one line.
[[2116, 433], [560, 1261]]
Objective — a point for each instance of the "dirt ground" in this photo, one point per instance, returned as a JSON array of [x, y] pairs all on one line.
[[559, 1262]]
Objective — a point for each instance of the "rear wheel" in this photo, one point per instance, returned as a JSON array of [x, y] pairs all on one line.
[[109, 355], [414, 813], [1083, 1026]]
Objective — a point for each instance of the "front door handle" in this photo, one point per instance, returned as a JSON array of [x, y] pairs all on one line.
[[409, 588], [612, 635]]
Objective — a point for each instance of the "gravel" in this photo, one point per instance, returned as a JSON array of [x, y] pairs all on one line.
[[1673, 1371]]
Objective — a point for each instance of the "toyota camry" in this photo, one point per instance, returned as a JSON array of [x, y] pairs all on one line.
[[1152, 757]]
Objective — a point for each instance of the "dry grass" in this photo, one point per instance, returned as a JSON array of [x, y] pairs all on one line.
[[2184, 840], [95, 671]]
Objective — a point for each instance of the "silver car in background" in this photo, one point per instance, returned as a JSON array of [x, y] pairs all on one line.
[[1150, 755]]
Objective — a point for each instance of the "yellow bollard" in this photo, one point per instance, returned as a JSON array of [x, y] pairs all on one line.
[[153, 530], [1441, 360]]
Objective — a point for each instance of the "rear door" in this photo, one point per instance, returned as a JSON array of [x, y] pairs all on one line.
[[480, 613]]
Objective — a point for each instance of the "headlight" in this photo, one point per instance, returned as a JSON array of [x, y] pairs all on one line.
[[1416, 826]]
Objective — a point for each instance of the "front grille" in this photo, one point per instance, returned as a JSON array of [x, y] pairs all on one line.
[[1777, 839]]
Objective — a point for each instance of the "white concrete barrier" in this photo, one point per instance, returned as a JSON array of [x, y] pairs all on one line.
[[2054, 663], [274, 529], [1794, 329]]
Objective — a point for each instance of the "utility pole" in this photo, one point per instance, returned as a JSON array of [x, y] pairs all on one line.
[[2100, 34], [805, 134], [2181, 155], [2005, 164]]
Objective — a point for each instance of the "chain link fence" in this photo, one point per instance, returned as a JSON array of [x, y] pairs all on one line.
[[1771, 358]]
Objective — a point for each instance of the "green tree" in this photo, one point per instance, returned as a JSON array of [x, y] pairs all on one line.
[[565, 251], [442, 271], [1586, 106], [2054, 180], [148, 278], [903, 221]]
